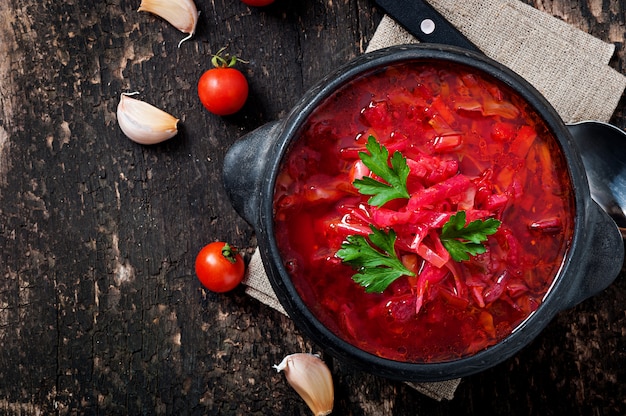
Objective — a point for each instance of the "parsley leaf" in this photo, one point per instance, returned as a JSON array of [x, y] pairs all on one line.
[[461, 241], [378, 162], [377, 266]]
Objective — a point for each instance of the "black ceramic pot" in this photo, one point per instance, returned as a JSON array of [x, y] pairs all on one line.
[[592, 263]]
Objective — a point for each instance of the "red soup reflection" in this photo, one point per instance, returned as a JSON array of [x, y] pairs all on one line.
[[471, 145]]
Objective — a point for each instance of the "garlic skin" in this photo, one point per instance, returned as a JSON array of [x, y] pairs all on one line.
[[311, 379], [182, 14], [144, 123]]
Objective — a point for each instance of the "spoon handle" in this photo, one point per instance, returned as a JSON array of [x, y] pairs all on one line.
[[425, 23]]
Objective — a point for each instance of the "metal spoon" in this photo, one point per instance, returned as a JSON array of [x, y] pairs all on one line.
[[602, 146]]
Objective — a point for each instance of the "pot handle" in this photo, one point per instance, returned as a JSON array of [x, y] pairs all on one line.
[[244, 167], [605, 259]]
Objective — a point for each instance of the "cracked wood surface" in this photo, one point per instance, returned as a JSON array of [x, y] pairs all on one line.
[[100, 311]]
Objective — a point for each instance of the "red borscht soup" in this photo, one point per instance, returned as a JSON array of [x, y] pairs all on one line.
[[471, 146]]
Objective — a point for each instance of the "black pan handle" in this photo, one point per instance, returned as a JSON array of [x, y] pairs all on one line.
[[244, 169], [425, 23]]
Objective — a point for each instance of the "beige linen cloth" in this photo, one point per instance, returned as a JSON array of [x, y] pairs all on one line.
[[569, 67]]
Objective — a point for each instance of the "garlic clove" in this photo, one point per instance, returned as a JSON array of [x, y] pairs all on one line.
[[311, 379], [144, 123], [182, 14]]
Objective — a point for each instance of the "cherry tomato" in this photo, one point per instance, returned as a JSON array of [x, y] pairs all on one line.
[[258, 3], [219, 267], [223, 90]]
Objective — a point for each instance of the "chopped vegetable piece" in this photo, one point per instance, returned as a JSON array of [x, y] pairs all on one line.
[[453, 186], [430, 276], [547, 225]]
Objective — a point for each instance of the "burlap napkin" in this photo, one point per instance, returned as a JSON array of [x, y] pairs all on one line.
[[569, 67]]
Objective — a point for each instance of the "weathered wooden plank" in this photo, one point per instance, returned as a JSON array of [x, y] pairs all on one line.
[[99, 307]]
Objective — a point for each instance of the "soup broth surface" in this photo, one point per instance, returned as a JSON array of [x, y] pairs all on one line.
[[457, 128]]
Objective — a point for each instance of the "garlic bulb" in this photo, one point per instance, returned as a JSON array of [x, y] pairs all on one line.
[[144, 123], [182, 14], [311, 379]]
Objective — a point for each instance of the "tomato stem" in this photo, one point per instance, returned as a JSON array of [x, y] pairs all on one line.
[[229, 253], [226, 61]]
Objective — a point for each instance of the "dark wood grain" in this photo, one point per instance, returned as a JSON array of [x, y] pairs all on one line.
[[100, 311]]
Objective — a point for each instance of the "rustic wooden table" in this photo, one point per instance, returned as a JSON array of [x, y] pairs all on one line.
[[100, 311]]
